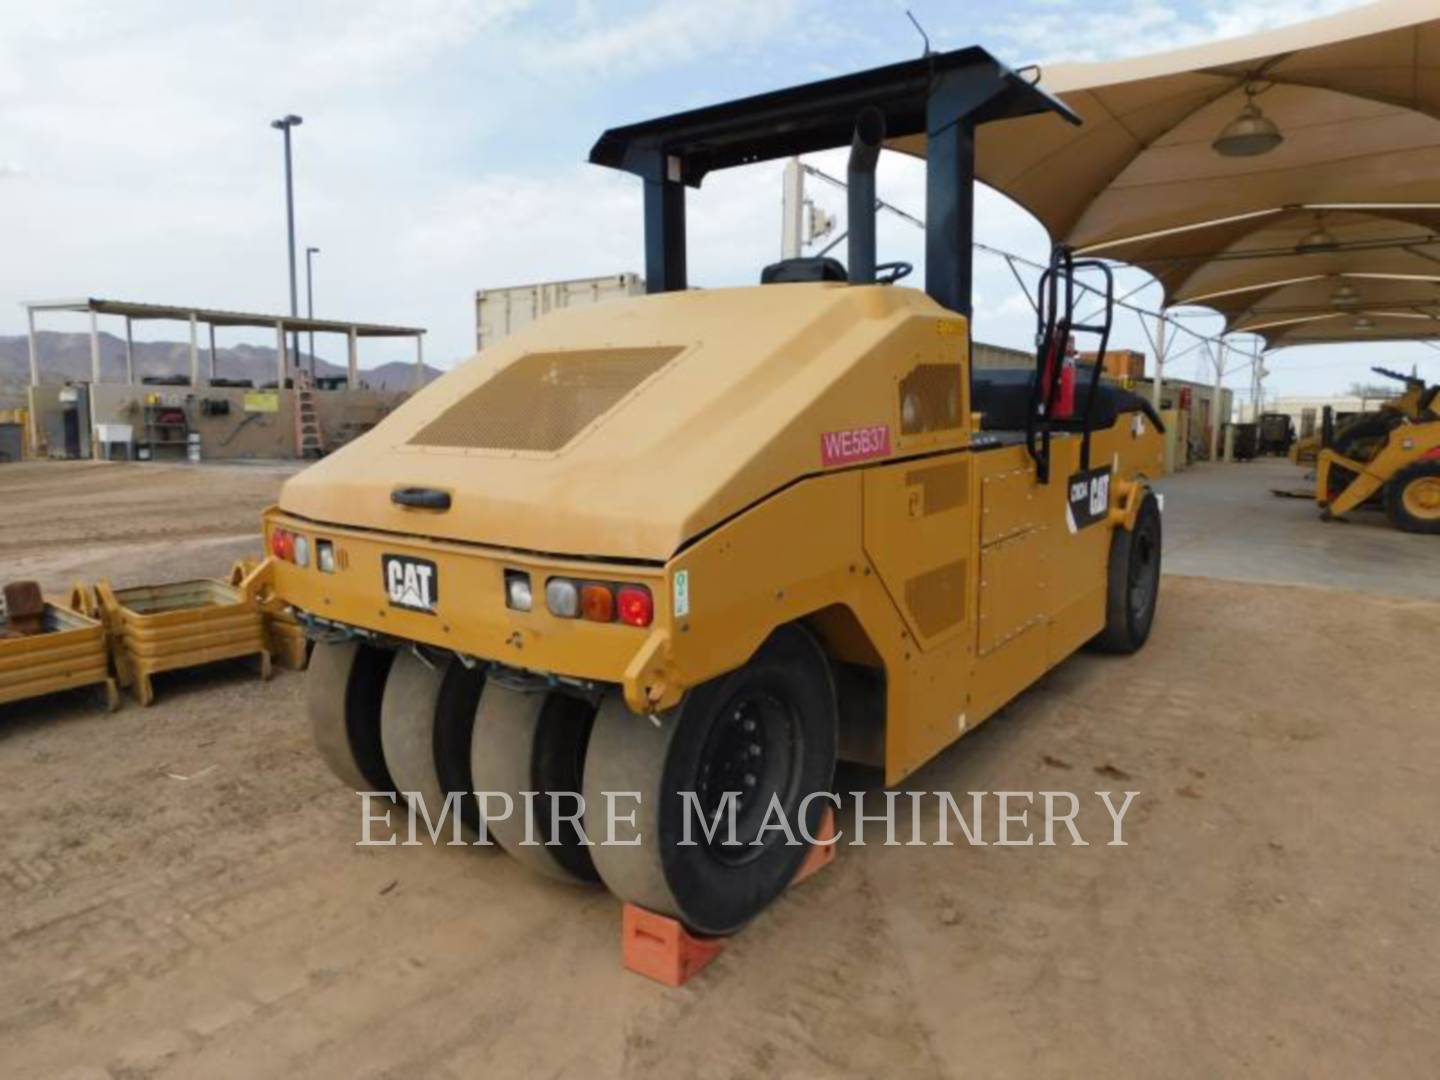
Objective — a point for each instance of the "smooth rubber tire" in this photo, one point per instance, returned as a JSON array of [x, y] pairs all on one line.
[[534, 742], [344, 685], [662, 755], [407, 729], [1134, 554]]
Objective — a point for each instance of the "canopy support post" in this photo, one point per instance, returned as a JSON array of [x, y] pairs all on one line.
[[1215, 395], [950, 213], [212, 352], [281, 363], [419, 361], [94, 346], [664, 224], [353, 363], [129, 351], [194, 351], [34, 349]]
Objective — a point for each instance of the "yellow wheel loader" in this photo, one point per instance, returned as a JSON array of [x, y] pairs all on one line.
[[1390, 458], [678, 553]]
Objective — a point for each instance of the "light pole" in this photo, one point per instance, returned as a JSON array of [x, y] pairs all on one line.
[[310, 252], [284, 124]]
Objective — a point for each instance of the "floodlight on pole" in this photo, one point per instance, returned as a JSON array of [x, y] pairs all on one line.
[[284, 124]]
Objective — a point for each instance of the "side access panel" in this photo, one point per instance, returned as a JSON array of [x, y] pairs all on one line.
[[919, 528]]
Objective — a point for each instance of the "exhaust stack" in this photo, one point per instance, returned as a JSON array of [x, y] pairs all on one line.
[[864, 153]]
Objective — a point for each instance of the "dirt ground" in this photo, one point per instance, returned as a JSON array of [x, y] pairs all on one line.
[[181, 894]]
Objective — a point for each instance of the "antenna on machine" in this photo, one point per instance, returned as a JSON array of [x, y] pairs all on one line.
[[928, 51]]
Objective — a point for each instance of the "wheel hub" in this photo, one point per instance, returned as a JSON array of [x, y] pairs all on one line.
[[1422, 497], [751, 753]]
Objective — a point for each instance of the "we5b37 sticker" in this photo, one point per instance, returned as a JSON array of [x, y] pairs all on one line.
[[855, 444], [1088, 498]]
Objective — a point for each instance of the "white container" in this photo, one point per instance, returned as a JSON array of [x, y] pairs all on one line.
[[192, 446], [501, 312]]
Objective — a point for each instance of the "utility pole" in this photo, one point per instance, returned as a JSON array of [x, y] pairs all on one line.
[[310, 252], [284, 124]]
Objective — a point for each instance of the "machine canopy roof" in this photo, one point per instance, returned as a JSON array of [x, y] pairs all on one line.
[[1356, 97], [821, 115]]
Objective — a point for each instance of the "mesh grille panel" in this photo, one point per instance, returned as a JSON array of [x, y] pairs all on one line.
[[542, 401], [930, 398], [943, 487]]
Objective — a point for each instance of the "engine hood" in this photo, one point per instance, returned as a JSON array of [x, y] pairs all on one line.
[[624, 429]]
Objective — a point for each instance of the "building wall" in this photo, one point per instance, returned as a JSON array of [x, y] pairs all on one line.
[[254, 425]]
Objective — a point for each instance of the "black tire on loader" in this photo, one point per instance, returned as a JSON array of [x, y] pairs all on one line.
[[766, 731], [1133, 581], [344, 684], [1412, 497], [531, 745]]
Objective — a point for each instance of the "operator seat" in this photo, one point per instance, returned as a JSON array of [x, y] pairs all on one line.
[[1002, 396], [811, 268]]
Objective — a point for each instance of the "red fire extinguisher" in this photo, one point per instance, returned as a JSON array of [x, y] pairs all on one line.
[[1065, 400]]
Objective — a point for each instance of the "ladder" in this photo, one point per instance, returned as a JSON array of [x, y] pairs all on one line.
[[309, 441]]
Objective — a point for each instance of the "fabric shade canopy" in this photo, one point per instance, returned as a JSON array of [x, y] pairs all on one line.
[[1352, 187]]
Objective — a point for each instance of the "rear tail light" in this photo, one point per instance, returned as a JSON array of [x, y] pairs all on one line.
[[636, 606], [597, 603], [282, 544], [562, 597]]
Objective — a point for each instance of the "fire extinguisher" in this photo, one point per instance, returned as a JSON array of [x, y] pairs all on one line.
[[1065, 400]]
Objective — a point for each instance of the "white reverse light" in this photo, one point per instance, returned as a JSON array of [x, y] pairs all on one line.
[[517, 590]]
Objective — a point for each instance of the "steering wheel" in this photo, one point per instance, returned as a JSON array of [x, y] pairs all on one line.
[[898, 272]]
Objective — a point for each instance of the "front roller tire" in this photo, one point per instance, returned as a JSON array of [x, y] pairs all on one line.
[[343, 688], [532, 745], [766, 730], [1133, 582]]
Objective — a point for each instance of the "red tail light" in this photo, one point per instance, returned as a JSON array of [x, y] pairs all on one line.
[[282, 545], [635, 605]]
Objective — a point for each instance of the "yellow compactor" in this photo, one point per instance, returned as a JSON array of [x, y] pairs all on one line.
[[698, 545]]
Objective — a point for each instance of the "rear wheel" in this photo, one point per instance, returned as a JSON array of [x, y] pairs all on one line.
[[763, 734], [407, 731], [1133, 585], [343, 688], [531, 746], [1412, 498]]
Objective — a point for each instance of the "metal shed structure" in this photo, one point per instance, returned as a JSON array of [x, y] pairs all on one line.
[[132, 312]]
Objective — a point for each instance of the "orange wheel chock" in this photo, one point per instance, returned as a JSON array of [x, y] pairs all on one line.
[[660, 948]]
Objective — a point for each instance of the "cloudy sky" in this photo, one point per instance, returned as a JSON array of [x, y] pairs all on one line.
[[444, 142]]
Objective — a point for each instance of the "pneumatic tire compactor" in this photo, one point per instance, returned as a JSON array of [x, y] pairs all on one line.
[[697, 545]]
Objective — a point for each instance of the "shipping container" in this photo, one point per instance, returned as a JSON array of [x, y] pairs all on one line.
[[501, 312]]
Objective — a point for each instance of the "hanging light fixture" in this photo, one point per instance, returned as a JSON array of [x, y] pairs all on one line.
[[1249, 134], [1364, 322], [1318, 239], [1345, 296]]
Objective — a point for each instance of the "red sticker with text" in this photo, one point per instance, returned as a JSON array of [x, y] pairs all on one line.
[[857, 444]]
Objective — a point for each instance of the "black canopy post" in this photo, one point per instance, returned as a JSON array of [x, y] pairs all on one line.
[[950, 216], [664, 228]]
